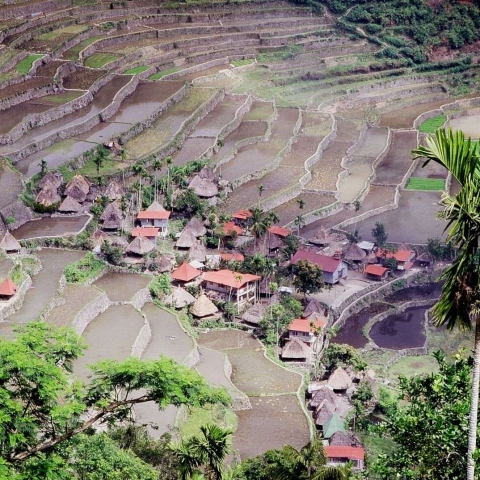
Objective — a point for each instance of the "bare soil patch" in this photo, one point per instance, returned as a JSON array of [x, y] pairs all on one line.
[[192, 149], [24, 86], [259, 111], [82, 78], [403, 117], [469, 125]]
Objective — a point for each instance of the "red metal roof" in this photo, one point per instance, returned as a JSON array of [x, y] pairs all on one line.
[[231, 279], [303, 325], [145, 232], [229, 227], [280, 231], [327, 264], [242, 214], [185, 272], [228, 257], [153, 215], [7, 288], [337, 451], [376, 270], [399, 255]]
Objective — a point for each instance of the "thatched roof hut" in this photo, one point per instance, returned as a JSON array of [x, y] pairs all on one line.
[[140, 246], [203, 307], [254, 314], [155, 207], [355, 254], [198, 252], [324, 413], [313, 306], [207, 173], [114, 190], [186, 239], [296, 350], [196, 227], [424, 259], [78, 188], [164, 264], [321, 237], [10, 244], [48, 196], [372, 258], [339, 381], [51, 179], [325, 393], [179, 298], [344, 439], [112, 217], [69, 205], [98, 237], [203, 188]]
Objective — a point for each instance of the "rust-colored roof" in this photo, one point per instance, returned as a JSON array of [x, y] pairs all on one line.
[[185, 272], [376, 270], [302, 325], [229, 227], [327, 264], [145, 232], [242, 214], [231, 279], [399, 255], [280, 231], [337, 451], [228, 257], [7, 288], [153, 215]]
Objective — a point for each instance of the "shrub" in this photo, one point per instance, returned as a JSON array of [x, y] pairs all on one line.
[[160, 286], [85, 269]]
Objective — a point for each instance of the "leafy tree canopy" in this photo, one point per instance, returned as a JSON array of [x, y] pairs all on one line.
[[308, 277]]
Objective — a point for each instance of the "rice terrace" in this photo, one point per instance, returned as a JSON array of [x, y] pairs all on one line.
[[167, 169]]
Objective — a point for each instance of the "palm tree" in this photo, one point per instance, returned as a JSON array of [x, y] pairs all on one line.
[[309, 461], [299, 222], [301, 203], [259, 223], [459, 304]]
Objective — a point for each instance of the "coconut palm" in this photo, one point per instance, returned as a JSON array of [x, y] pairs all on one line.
[[309, 462], [459, 304], [259, 223]]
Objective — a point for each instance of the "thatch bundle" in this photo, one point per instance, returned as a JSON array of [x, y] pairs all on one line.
[[203, 307]]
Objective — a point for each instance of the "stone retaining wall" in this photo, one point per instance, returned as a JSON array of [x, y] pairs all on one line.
[[141, 298], [242, 402], [17, 302], [20, 97], [142, 340], [30, 8], [68, 44], [196, 68], [5, 67], [91, 310], [425, 116]]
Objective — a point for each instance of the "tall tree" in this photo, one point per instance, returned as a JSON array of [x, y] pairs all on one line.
[[459, 304], [379, 234], [43, 407], [259, 223], [308, 277]]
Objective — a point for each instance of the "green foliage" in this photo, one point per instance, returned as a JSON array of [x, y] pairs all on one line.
[[379, 234], [158, 75], [338, 355], [431, 429], [160, 286], [426, 184], [112, 254], [390, 263], [430, 125], [136, 70], [25, 65], [44, 408], [85, 269], [308, 277], [190, 203], [439, 250]]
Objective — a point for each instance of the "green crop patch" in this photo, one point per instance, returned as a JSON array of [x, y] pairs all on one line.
[[158, 75], [25, 65], [136, 70], [99, 60], [430, 125], [241, 63], [428, 184]]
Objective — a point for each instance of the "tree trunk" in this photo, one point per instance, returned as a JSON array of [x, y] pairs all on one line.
[[472, 427]]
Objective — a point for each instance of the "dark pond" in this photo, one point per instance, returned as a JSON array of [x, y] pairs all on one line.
[[351, 331], [402, 330], [51, 227], [420, 292]]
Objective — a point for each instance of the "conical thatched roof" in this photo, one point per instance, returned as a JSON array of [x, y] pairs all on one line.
[[155, 207], [51, 179], [355, 253], [69, 205], [207, 173], [203, 188], [98, 237], [9, 243], [196, 227], [77, 193], [424, 258], [296, 350], [324, 413], [203, 307], [80, 182], [179, 298], [316, 317], [319, 396], [312, 307], [344, 439], [198, 252], [48, 196], [112, 216], [140, 246], [186, 240], [254, 314], [114, 190], [164, 264], [321, 237], [339, 380]]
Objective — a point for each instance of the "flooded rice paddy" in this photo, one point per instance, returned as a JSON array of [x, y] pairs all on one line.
[[121, 287], [470, 125], [51, 227]]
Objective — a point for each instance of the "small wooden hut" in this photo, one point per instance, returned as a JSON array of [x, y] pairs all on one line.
[[207, 173], [186, 239], [340, 381], [114, 190], [48, 196], [196, 227], [7, 289], [112, 217], [203, 307], [321, 238], [78, 188], [254, 315], [10, 244], [179, 298], [296, 350], [140, 246], [51, 179], [69, 205], [164, 264], [98, 237], [355, 254]]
